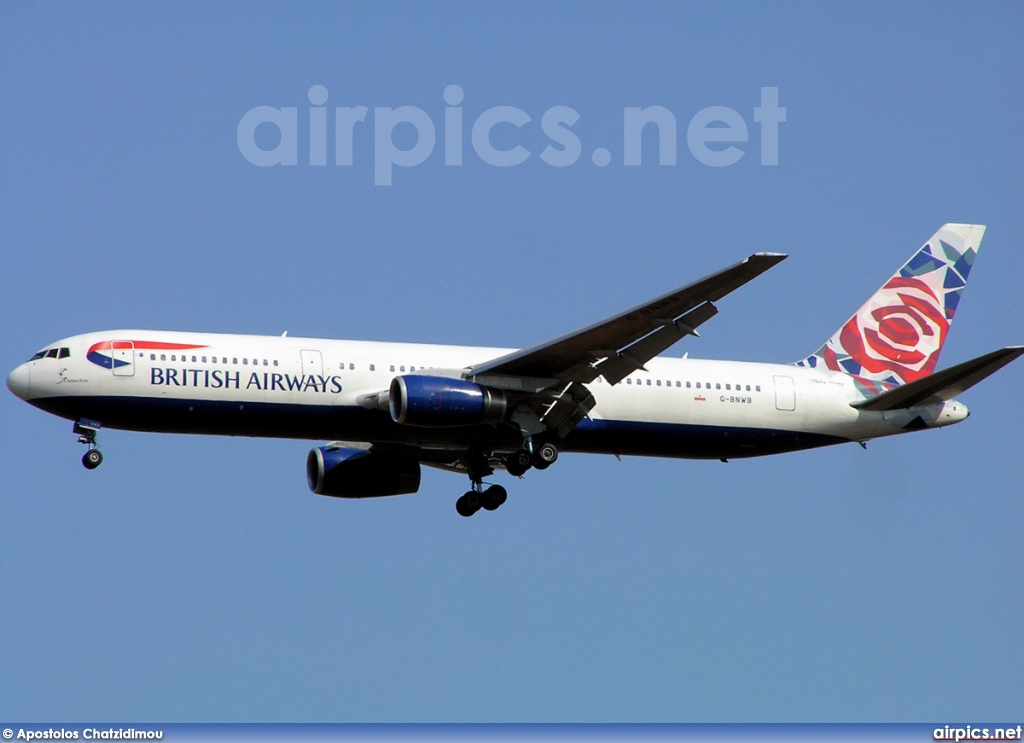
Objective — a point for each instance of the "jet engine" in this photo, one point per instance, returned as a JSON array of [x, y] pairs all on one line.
[[441, 401], [361, 473]]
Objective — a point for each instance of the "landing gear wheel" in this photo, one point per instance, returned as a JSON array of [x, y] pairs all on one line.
[[468, 504], [518, 463], [92, 459], [545, 456], [492, 498]]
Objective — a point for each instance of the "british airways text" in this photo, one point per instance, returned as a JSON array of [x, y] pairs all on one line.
[[270, 381]]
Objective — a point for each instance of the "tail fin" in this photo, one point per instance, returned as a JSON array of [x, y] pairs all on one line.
[[897, 335]]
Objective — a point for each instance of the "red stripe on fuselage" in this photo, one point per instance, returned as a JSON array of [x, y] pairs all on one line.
[[142, 345]]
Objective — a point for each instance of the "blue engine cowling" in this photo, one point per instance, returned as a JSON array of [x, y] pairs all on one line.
[[359, 473], [441, 401]]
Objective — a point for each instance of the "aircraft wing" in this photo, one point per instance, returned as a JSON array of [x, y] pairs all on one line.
[[618, 345], [943, 385]]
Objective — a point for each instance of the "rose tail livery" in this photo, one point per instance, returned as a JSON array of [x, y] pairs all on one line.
[[897, 335], [389, 408]]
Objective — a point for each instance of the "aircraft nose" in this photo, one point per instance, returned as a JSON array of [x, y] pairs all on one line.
[[19, 381]]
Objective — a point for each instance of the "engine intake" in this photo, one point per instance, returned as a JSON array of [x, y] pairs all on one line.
[[441, 401], [360, 473]]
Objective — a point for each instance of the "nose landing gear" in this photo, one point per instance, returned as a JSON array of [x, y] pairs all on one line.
[[92, 459], [86, 430]]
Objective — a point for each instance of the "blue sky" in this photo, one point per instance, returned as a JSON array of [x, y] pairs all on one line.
[[197, 579]]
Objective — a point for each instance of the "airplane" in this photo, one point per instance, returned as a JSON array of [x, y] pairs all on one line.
[[388, 408]]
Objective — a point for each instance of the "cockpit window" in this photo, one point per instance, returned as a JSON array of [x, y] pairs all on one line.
[[63, 353], [38, 356], [52, 353]]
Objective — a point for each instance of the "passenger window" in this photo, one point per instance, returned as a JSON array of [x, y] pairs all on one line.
[[392, 367], [748, 388], [718, 385], [204, 359], [234, 361], [648, 383], [629, 381], [152, 357], [687, 385], [351, 367], [757, 388], [265, 362], [373, 367], [275, 362], [659, 383], [728, 387], [698, 385], [245, 361]]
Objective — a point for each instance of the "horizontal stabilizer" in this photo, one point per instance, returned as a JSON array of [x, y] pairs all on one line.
[[943, 385]]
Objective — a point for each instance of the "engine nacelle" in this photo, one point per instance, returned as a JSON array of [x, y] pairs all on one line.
[[359, 473], [441, 401]]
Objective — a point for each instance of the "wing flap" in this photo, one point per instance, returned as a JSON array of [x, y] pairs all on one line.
[[572, 406], [623, 363], [943, 385]]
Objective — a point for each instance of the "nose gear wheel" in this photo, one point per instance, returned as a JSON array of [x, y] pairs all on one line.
[[86, 431]]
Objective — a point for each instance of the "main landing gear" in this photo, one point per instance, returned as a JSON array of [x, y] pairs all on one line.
[[86, 431], [516, 463], [478, 466], [477, 498], [545, 456]]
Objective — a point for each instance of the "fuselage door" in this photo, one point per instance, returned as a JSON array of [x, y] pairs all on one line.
[[123, 353], [312, 363], [785, 393]]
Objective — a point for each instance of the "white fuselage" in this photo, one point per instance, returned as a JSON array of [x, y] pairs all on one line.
[[316, 389]]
